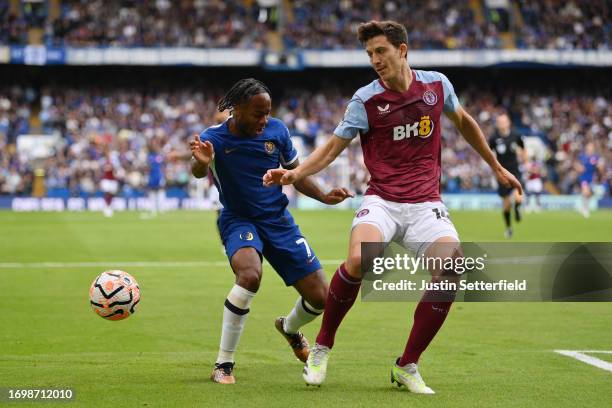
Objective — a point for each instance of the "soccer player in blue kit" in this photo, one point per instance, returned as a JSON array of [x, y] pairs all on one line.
[[156, 181], [254, 221], [588, 165]]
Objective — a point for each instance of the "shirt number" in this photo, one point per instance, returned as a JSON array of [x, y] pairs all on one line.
[[303, 241]]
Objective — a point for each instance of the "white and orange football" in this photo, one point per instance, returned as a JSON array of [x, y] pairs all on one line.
[[114, 295]]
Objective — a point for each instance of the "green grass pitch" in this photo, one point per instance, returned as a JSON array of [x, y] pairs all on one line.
[[491, 355]]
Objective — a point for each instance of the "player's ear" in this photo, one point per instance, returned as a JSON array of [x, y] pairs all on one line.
[[403, 48]]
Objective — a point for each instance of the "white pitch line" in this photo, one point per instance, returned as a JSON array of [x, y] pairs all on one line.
[[144, 264], [594, 361]]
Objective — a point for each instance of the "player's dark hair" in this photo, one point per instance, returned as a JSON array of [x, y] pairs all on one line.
[[242, 91], [395, 32]]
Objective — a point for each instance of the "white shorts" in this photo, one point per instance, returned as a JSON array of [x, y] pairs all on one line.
[[534, 186], [413, 226], [109, 186]]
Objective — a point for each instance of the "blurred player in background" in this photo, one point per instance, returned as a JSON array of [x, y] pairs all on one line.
[[534, 184], [109, 183], [254, 221], [156, 182], [508, 146], [588, 166], [398, 119]]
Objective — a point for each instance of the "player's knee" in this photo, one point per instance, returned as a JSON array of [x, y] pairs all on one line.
[[249, 278]]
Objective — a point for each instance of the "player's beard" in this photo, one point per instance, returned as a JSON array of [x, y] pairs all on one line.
[[244, 129]]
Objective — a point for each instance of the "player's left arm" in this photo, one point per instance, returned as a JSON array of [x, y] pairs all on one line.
[[472, 133], [308, 186]]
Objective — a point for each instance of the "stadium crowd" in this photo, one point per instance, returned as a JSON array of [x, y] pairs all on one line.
[[436, 24], [126, 123], [576, 24], [206, 24], [447, 24], [439, 24]]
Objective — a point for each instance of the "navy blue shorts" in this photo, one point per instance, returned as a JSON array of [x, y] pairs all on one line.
[[279, 240]]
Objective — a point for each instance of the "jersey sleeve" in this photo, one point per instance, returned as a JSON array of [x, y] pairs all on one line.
[[207, 136], [355, 120], [451, 102], [288, 153]]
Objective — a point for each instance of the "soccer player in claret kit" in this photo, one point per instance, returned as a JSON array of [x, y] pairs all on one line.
[[254, 221], [109, 183], [534, 184], [398, 120], [508, 145]]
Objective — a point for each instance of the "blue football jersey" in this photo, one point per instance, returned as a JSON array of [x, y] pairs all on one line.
[[240, 164], [156, 173], [590, 166]]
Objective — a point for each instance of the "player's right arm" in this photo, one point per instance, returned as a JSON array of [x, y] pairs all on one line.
[[202, 153], [355, 122], [318, 160]]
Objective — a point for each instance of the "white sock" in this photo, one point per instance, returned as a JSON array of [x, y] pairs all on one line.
[[301, 314], [234, 315]]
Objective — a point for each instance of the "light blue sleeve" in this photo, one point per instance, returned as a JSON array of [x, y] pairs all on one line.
[[451, 102], [288, 154], [355, 120]]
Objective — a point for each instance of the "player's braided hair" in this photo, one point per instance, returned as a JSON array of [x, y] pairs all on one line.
[[242, 91]]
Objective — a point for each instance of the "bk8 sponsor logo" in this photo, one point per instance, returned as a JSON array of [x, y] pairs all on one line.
[[423, 129]]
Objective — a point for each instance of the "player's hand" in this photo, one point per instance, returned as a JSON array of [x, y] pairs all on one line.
[[280, 177], [507, 179], [203, 152], [337, 195]]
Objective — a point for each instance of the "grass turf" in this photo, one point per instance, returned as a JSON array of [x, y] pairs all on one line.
[[493, 355]]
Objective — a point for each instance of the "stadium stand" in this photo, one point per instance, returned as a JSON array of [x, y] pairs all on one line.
[[126, 109], [127, 120], [438, 24]]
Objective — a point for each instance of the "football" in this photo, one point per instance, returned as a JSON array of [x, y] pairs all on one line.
[[114, 295]]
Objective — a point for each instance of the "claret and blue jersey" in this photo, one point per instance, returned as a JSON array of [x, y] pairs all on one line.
[[254, 215], [400, 135]]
